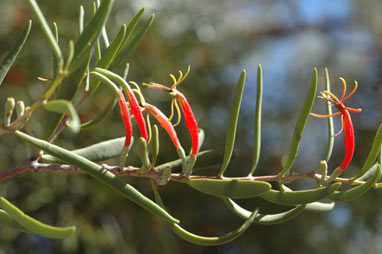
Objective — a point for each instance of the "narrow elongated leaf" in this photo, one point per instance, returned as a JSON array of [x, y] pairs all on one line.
[[106, 81], [143, 155], [130, 46], [299, 197], [93, 29], [14, 52], [232, 122], [48, 33], [34, 226], [319, 207], [203, 240], [65, 107], [154, 145], [81, 16], [257, 124], [356, 192], [300, 124], [202, 136], [230, 188], [373, 154], [265, 219], [101, 115], [131, 27], [330, 120], [100, 174], [66, 91], [215, 240], [369, 173], [109, 55], [98, 152], [113, 48], [8, 221]]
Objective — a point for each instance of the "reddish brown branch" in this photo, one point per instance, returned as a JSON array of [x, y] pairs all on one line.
[[35, 167]]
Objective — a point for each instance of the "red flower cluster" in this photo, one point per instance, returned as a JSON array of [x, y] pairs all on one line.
[[189, 116]]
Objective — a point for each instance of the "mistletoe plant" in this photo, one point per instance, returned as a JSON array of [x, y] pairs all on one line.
[[87, 65]]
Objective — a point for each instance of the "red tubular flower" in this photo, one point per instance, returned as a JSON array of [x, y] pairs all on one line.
[[191, 122], [126, 118], [167, 125], [349, 140], [189, 116], [136, 111], [164, 122], [346, 122]]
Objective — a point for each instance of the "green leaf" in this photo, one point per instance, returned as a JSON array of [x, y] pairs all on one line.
[[100, 174], [369, 173], [113, 48], [131, 27], [300, 124], [232, 122], [81, 16], [65, 107], [319, 207], [202, 240], [130, 46], [92, 30], [106, 81], [143, 155], [8, 221], [98, 152], [109, 55], [215, 240], [373, 154], [14, 52], [230, 188], [257, 124], [154, 145], [356, 192], [330, 120], [34, 226], [265, 219], [101, 115], [299, 197], [48, 33], [66, 91], [202, 136]]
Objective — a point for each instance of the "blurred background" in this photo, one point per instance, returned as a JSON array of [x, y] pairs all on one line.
[[217, 39]]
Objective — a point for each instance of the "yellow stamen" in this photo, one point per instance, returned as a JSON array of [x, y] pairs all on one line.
[[178, 110], [180, 79], [149, 127], [173, 80], [172, 111], [136, 85], [141, 98]]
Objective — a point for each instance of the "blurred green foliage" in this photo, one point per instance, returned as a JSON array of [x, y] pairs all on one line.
[[218, 39]]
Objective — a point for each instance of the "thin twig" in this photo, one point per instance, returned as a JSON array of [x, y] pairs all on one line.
[[36, 167]]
